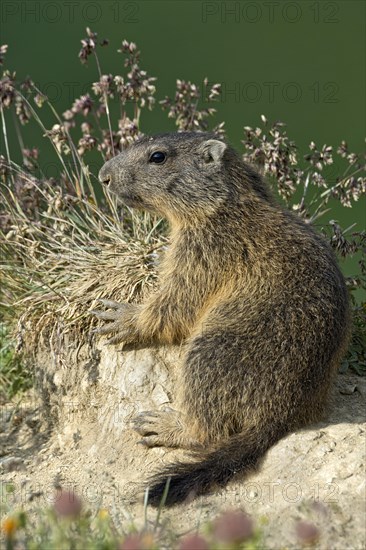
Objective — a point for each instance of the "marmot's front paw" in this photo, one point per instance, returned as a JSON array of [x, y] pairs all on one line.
[[123, 325]]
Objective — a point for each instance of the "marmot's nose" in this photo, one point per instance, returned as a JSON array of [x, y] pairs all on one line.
[[105, 174]]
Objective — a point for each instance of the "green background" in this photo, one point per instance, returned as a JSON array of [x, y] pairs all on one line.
[[299, 62]]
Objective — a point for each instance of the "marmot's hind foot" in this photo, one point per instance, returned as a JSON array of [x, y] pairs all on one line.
[[163, 428]]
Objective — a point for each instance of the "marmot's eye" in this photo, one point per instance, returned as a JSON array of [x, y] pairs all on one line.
[[158, 157]]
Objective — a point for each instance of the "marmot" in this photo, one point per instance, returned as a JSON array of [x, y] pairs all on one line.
[[252, 293]]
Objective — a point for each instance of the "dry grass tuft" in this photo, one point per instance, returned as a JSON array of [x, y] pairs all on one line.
[[76, 253]]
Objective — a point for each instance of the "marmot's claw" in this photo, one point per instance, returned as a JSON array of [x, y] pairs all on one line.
[[144, 423], [107, 329], [144, 419], [122, 337], [151, 441], [110, 303], [106, 315], [142, 415], [115, 340]]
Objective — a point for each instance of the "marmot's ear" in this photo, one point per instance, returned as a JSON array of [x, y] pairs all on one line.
[[213, 150]]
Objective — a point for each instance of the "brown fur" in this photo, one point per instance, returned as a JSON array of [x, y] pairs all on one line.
[[253, 293]]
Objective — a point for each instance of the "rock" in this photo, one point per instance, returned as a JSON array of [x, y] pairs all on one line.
[[315, 475]]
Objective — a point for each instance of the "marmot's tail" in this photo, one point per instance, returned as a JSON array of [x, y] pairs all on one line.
[[187, 480]]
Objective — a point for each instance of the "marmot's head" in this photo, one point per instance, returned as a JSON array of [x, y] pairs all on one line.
[[182, 176], [176, 174]]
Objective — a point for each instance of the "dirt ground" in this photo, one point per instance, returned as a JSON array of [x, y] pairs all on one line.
[[317, 474]]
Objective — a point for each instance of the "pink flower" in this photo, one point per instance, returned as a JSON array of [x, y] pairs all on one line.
[[233, 526], [193, 542], [307, 533], [67, 504]]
